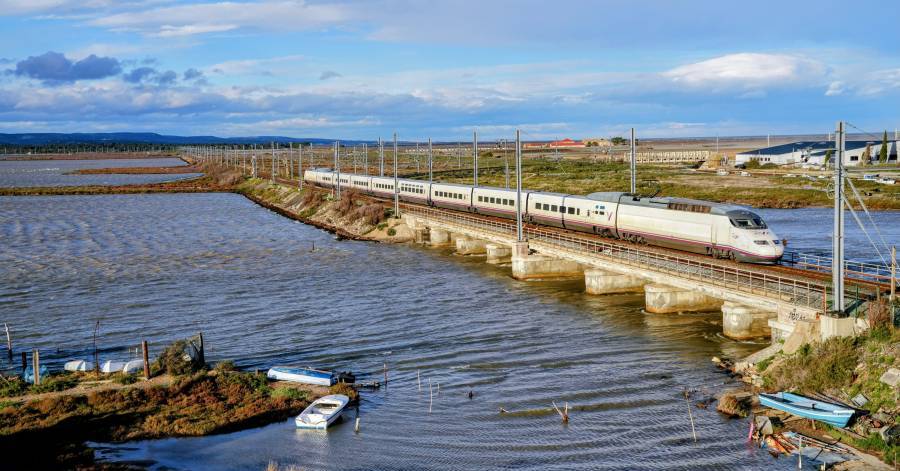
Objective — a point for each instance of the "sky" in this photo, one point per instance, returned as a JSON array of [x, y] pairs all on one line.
[[363, 69]]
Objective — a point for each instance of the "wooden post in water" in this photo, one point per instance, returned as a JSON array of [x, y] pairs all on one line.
[[690, 415], [146, 359], [385, 375], [8, 342], [430, 396], [202, 349], [36, 365], [356, 427], [419, 380]]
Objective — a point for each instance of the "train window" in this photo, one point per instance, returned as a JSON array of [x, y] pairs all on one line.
[[562, 209], [493, 200], [552, 208], [547, 207], [537, 205], [571, 210]]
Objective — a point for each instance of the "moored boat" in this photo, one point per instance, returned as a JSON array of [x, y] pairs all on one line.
[[112, 366], [77, 365], [302, 375], [832, 414], [322, 412]]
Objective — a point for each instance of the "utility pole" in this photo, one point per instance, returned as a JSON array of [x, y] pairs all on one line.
[[837, 256], [381, 157], [633, 165], [519, 233], [430, 162], [396, 188], [300, 164], [272, 179], [366, 158], [475, 154]]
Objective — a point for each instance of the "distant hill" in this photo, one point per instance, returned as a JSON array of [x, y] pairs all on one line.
[[37, 139]]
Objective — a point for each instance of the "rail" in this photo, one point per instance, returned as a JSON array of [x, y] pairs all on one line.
[[792, 290], [852, 268]]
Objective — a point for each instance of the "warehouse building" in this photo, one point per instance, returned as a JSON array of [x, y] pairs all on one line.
[[814, 152]]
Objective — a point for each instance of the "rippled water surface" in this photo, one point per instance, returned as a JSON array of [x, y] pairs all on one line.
[[17, 173], [166, 266]]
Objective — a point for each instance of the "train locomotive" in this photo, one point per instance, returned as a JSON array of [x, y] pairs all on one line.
[[714, 229]]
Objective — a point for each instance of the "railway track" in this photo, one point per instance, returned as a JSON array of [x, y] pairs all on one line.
[[865, 288]]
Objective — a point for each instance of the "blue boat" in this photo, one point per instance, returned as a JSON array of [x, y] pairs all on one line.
[[815, 409], [302, 375], [28, 374]]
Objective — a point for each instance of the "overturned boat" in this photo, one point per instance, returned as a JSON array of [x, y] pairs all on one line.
[[832, 414]]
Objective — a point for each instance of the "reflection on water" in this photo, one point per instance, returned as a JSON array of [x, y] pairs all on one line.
[[167, 266], [19, 173]]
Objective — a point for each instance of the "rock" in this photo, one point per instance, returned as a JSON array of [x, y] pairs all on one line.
[[805, 331], [859, 400], [891, 377]]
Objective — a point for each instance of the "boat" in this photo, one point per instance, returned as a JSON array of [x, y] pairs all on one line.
[[77, 365], [112, 366], [322, 412], [809, 408], [28, 374], [133, 366], [305, 375]]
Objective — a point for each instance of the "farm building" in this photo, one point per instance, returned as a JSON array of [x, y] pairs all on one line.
[[813, 152]]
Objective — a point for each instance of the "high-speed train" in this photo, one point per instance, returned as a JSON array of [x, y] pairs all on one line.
[[718, 230]]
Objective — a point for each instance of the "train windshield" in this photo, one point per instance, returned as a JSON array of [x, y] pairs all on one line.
[[748, 221]]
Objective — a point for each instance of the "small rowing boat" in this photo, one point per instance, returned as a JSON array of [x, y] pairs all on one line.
[[801, 406], [302, 375], [322, 412]]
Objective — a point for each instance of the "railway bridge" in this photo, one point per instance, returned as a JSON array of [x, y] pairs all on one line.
[[755, 301]]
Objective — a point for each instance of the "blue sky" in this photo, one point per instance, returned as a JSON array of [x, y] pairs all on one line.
[[364, 69]]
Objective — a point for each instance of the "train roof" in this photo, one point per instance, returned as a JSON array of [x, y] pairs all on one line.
[[669, 202]]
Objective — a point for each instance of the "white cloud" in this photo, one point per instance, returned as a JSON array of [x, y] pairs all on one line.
[[183, 20], [835, 88], [748, 70], [263, 66]]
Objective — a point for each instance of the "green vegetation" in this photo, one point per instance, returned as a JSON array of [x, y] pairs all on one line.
[[392, 232], [15, 386], [883, 152]]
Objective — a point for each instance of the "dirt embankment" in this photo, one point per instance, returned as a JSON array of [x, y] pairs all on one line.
[[215, 179], [349, 217], [90, 156], [138, 170]]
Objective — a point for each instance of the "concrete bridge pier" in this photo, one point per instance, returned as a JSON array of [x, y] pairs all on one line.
[[498, 253], [598, 281], [470, 246], [526, 266], [421, 234], [438, 237], [742, 322], [663, 299]]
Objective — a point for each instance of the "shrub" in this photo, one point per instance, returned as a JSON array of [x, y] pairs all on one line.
[[54, 383], [345, 389], [346, 203], [290, 393], [370, 214], [12, 386], [391, 232], [175, 361], [225, 365], [122, 378], [824, 366]]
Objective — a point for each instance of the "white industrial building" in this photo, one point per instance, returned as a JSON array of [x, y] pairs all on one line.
[[813, 152]]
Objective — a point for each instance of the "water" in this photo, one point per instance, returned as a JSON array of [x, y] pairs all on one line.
[[19, 173], [165, 266]]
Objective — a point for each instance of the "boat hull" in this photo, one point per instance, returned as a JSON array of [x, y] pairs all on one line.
[[301, 375], [322, 412], [808, 408]]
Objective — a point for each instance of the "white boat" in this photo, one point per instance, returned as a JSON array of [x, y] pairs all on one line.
[[112, 366], [302, 375], [133, 366], [322, 412], [77, 365]]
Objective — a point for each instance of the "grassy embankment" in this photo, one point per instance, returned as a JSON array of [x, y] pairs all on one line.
[[844, 367], [193, 401], [765, 188]]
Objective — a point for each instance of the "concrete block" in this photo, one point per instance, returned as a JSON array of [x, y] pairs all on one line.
[[421, 234], [837, 327], [805, 331], [742, 322], [470, 246], [605, 282], [498, 253], [536, 267], [662, 299], [891, 377], [438, 238]]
